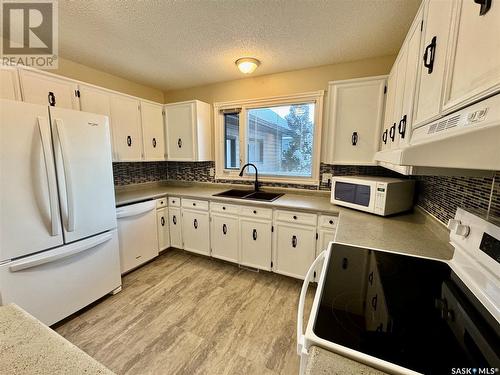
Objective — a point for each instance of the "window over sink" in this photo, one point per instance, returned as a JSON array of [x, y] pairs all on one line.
[[280, 135]]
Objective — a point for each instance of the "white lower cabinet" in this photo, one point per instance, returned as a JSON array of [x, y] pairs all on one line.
[[195, 231], [255, 242], [224, 236], [163, 230], [294, 249], [327, 225], [175, 226]]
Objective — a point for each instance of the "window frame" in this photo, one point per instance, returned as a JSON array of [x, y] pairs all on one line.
[[221, 173]]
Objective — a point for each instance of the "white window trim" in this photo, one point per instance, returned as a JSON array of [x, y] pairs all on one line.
[[315, 97]]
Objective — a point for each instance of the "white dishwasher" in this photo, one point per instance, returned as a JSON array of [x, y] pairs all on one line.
[[137, 234]]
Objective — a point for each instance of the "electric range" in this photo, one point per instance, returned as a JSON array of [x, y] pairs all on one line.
[[406, 314]]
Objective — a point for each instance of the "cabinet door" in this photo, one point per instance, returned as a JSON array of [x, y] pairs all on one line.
[[255, 243], [392, 139], [175, 227], [152, 131], [97, 101], [40, 88], [432, 69], [475, 64], [195, 231], [356, 109], [224, 237], [324, 238], [163, 231], [389, 109], [405, 120], [179, 124], [10, 84], [294, 249], [126, 127]]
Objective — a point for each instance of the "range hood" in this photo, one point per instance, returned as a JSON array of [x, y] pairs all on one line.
[[466, 139]]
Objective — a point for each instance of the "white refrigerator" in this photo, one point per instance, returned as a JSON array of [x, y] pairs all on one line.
[[58, 239]]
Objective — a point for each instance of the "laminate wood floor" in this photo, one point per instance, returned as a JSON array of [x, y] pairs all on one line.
[[186, 314]]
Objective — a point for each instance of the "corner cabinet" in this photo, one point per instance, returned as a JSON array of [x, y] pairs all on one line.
[[152, 131], [355, 111], [188, 131]]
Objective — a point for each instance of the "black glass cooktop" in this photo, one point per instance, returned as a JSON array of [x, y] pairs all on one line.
[[409, 311]]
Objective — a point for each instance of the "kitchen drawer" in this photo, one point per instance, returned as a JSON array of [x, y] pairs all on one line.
[[257, 212], [328, 221], [174, 201], [224, 208], [296, 217], [195, 204], [161, 202]]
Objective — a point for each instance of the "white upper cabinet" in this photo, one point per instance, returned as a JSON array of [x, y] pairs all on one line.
[[412, 52], [188, 131], [356, 108], [432, 60], [152, 131], [46, 89], [95, 100], [9, 89], [474, 53], [389, 108], [126, 120]]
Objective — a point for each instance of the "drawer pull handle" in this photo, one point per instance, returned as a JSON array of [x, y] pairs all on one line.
[[384, 136], [294, 241], [129, 141], [52, 99], [179, 143], [224, 229], [331, 222], [154, 142], [195, 224], [174, 220], [354, 138], [194, 204], [294, 217], [402, 127], [254, 234], [370, 278], [392, 132], [162, 221], [255, 212], [223, 207], [429, 54]]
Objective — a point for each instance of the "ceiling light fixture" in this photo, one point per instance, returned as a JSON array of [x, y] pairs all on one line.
[[247, 65]]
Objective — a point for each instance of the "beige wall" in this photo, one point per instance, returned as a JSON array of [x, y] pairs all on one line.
[[283, 83], [84, 73]]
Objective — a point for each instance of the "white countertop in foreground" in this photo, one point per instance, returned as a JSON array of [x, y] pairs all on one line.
[[29, 347]]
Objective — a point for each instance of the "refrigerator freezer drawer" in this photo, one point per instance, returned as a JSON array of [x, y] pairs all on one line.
[[56, 283]]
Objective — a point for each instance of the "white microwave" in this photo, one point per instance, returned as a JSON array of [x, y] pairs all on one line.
[[377, 195]]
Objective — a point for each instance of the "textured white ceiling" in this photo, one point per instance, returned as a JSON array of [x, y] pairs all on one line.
[[176, 44]]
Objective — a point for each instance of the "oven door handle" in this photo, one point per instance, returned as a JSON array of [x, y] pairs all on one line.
[[302, 300]]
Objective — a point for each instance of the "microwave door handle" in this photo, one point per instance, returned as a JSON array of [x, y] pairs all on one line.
[[70, 199]]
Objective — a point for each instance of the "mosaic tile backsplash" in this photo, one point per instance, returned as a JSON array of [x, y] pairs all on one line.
[[438, 195]]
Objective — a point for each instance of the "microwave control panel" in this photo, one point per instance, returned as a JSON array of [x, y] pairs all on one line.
[[380, 197]]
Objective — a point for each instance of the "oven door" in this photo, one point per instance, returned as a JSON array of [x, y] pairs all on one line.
[[354, 194]]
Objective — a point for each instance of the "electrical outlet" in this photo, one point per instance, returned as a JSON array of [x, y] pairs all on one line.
[[326, 178], [212, 172]]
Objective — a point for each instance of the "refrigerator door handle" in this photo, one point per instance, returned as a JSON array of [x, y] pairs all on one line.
[[61, 253], [51, 178], [70, 199]]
